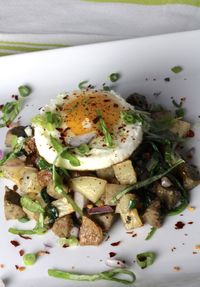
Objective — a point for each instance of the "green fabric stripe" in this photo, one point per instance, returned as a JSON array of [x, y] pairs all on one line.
[[153, 2], [5, 54], [32, 44]]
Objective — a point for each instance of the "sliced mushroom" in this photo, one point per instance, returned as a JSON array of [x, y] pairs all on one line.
[[189, 175], [152, 214], [63, 226], [12, 207], [169, 196]]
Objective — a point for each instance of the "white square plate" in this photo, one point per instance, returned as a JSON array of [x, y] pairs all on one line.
[[143, 64]]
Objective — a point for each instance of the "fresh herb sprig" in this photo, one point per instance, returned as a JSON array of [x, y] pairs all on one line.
[[110, 275], [151, 233], [14, 153]]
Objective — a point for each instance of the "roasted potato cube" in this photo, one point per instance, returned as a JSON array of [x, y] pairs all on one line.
[[51, 190], [152, 214], [14, 170], [90, 233], [106, 173], [129, 216], [105, 220], [125, 172], [44, 176], [63, 206], [29, 182], [12, 206], [91, 187], [170, 196], [63, 226], [180, 128], [111, 191], [189, 175]]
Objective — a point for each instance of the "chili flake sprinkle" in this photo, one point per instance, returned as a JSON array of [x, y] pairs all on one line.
[[2, 266], [115, 243], [21, 252], [112, 254], [20, 268], [176, 268], [15, 243]]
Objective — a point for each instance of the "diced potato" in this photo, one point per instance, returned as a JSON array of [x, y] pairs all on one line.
[[111, 191], [105, 220], [91, 187], [29, 182], [63, 226], [51, 190], [125, 172], [90, 233], [63, 206], [180, 128], [130, 217], [30, 214], [106, 173], [14, 170]]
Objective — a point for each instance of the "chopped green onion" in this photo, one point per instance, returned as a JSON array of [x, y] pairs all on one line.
[[145, 259], [176, 69], [24, 91], [82, 85], [31, 205], [103, 128], [38, 231], [151, 233], [145, 182], [13, 154], [58, 184], [83, 149], [29, 259], [180, 113], [43, 164], [110, 275], [23, 219], [73, 160], [132, 204], [106, 88], [53, 119], [131, 117], [56, 144], [9, 112], [176, 104], [114, 77], [71, 241]]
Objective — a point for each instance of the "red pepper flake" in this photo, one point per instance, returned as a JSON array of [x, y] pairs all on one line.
[[194, 252], [134, 235], [190, 222], [176, 268], [2, 266], [16, 98], [15, 243], [25, 237], [190, 134], [115, 243], [21, 252], [65, 246], [179, 225], [112, 254]]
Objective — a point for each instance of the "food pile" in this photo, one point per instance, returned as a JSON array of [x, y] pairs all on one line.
[[90, 157]]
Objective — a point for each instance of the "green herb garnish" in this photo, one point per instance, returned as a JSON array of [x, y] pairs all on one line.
[[83, 149], [132, 204], [71, 241], [48, 120], [151, 233], [24, 91], [131, 117], [106, 88], [29, 259], [178, 209], [31, 205], [176, 69], [145, 259], [145, 182], [23, 219], [103, 128], [110, 275], [73, 160], [13, 154], [9, 112], [82, 85], [114, 77], [38, 231], [43, 164]]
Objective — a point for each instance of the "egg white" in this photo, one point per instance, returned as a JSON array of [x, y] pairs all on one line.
[[98, 157]]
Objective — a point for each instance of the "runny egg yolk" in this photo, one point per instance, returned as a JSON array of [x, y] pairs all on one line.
[[81, 113]]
